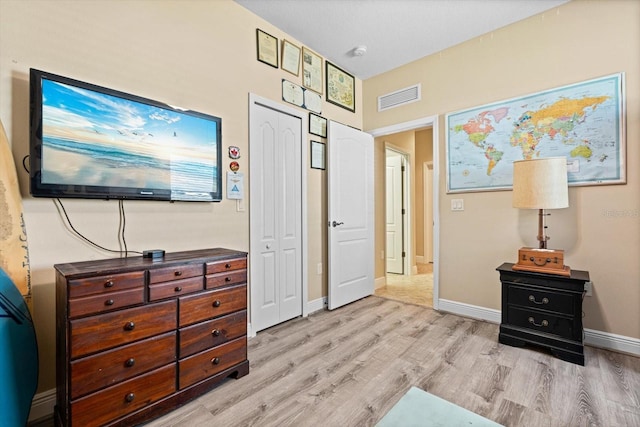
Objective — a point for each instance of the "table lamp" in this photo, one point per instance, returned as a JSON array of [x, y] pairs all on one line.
[[541, 184]]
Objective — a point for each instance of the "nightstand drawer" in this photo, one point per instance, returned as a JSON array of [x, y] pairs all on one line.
[[542, 299], [546, 322], [111, 367], [124, 398], [227, 265]]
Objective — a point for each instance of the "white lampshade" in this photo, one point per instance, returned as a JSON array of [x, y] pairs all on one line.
[[540, 183]]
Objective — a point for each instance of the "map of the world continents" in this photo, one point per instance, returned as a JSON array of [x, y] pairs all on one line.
[[583, 122]]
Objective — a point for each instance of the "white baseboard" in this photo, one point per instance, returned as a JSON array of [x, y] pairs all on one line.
[[592, 337], [42, 405], [317, 305], [612, 342], [380, 282]]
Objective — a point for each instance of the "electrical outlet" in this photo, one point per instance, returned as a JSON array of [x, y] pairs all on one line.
[[588, 288]]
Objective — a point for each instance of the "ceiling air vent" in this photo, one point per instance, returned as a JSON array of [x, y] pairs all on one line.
[[400, 97]]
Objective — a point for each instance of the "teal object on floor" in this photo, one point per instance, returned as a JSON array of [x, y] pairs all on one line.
[[18, 356], [417, 408]]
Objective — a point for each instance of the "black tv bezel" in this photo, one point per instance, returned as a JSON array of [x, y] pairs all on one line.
[[46, 190]]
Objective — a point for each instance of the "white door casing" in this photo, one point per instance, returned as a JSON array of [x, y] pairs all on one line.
[[394, 219], [427, 173], [276, 216], [350, 203]]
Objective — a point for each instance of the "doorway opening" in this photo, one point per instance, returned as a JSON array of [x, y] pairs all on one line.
[[419, 282]]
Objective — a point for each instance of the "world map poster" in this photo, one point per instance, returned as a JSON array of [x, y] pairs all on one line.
[[583, 122]]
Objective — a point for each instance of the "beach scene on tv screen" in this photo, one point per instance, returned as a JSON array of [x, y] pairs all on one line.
[[94, 139]]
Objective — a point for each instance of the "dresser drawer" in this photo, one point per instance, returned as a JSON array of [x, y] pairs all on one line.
[[202, 365], [225, 279], [196, 308], [175, 288], [121, 399], [95, 333], [228, 265], [110, 367], [544, 322], [105, 302], [172, 273], [542, 299], [99, 284], [202, 336]]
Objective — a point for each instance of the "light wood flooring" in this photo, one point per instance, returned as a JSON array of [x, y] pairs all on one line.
[[415, 289], [348, 367]]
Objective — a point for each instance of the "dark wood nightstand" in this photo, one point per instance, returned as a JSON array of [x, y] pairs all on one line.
[[544, 310]]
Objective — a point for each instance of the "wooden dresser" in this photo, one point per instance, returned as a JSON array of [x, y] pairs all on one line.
[[138, 337], [544, 310]]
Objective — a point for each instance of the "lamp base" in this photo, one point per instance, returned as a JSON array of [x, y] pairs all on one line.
[[549, 261]]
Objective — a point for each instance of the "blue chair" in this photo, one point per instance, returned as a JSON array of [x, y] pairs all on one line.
[[18, 356]]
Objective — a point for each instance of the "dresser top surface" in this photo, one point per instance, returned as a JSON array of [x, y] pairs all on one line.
[[108, 266]]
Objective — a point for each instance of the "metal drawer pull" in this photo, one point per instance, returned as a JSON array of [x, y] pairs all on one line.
[[109, 284], [215, 332], [227, 279], [130, 362], [129, 326], [215, 361], [545, 300], [109, 302], [227, 266], [533, 322], [178, 289], [178, 273], [129, 397], [216, 303]]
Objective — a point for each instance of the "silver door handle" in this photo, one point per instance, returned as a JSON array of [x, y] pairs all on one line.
[[335, 224]]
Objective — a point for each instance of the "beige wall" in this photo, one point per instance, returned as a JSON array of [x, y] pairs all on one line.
[[424, 153], [577, 41], [196, 54]]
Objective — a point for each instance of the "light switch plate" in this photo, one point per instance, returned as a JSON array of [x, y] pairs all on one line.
[[457, 204]]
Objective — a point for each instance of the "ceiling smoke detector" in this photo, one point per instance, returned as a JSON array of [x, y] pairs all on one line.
[[359, 51]]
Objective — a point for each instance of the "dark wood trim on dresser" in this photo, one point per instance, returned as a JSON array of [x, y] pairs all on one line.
[[543, 310], [138, 337]]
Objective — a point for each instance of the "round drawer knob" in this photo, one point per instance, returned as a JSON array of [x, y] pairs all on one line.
[[109, 302], [227, 279], [129, 326], [130, 362], [129, 397], [216, 303], [215, 332], [109, 284], [178, 273], [215, 361], [227, 266], [178, 289]]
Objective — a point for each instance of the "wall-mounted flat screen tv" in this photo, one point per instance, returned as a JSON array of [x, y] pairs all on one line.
[[87, 141]]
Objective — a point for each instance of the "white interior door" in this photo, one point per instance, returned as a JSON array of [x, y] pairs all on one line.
[[394, 220], [350, 214], [276, 217]]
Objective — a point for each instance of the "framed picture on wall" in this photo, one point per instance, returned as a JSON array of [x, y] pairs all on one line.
[[317, 155], [317, 125], [341, 87], [311, 70], [267, 47], [290, 57]]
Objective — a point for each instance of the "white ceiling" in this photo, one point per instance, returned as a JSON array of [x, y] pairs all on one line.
[[395, 32]]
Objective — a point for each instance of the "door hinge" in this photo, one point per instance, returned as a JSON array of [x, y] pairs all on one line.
[[403, 211], [403, 254], [402, 168]]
